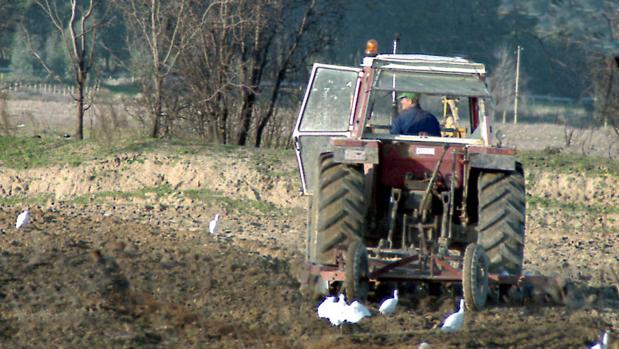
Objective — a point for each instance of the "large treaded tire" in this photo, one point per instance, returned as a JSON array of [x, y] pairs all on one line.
[[502, 219], [310, 248], [341, 210]]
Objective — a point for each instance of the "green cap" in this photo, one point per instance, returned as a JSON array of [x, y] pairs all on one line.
[[410, 95]]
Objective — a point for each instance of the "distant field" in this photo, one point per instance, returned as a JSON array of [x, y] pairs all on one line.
[[53, 116], [598, 142]]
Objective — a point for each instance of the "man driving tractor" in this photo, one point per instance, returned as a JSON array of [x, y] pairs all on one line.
[[413, 120]]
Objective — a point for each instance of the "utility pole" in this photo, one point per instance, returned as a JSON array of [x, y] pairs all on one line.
[[517, 80]]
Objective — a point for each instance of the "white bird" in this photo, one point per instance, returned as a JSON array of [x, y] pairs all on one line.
[[455, 320], [213, 225], [22, 220], [603, 344], [388, 306], [356, 311], [324, 309], [424, 345], [337, 315]]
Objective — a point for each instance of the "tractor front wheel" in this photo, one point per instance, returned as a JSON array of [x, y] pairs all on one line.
[[356, 272], [475, 277]]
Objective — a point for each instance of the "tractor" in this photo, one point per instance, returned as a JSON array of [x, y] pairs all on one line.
[[407, 208]]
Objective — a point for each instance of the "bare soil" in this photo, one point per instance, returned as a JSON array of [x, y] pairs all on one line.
[[142, 271]]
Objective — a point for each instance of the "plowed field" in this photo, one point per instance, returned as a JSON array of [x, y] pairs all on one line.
[[118, 254]]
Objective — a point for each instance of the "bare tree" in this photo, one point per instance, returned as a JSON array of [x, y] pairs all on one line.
[[568, 133], [502, 81], [237, 64], [605, 73], [312, 33], [78, 33], [163, 27], [605, 86], [207, 70], [226, 59], [253, 55], [6, 128], [9, 10]]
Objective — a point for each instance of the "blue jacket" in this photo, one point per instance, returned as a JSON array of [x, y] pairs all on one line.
[[414, 120]]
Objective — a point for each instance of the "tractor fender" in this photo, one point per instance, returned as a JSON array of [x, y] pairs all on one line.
[[351, 151], [493, 161]]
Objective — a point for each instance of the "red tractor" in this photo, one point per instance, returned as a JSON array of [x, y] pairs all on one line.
[[399, 208]]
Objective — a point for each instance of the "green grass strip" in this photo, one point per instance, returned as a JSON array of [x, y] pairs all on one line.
[[241, 204], [540, 202], [27, 152], [569, 163], [209, 197], [16, 200]]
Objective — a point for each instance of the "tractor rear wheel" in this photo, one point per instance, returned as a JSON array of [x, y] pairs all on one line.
[[502, 219], [339, 207]]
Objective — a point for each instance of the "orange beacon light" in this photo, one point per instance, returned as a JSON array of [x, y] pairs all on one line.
[[371, 48]]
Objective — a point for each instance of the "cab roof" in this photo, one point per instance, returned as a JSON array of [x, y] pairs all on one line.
[[425, 63]]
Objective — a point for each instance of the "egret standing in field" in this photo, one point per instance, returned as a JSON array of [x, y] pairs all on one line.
[[389, 305], [356, 311], [22, 220], [213, 225], [454, 321], [337, 315], [324, 309], [603, 344]]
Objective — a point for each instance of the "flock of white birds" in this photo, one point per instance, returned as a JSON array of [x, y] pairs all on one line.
[[339, 312]]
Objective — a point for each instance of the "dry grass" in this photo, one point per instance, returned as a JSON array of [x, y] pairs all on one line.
[[6, 128]]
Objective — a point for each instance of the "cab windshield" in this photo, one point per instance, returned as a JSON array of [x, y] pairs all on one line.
[[449, 98]]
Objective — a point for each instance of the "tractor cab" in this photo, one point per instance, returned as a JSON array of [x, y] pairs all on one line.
[[452, 89], [361, 103]]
